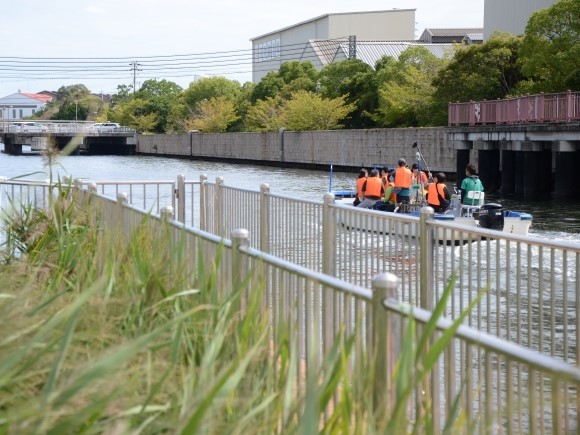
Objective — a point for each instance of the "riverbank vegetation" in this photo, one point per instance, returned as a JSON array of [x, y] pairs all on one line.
[[410, 91], [105, 332]]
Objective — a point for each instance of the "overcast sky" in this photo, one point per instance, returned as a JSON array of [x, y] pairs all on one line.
[[136, 29]]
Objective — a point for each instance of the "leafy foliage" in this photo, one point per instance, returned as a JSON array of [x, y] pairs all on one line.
[[213, 115], [292, 76], [479, 72], [406, 89], [133, 113], [308, 111], [355, 80], [264, 115], [550, 51], [158, 97]]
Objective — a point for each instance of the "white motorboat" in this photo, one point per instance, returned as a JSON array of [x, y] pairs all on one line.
[[489, 216]]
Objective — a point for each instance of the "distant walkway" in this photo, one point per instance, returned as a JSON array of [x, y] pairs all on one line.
[[540, 108]]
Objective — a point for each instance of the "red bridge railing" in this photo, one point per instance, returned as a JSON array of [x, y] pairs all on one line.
[[540, 108]]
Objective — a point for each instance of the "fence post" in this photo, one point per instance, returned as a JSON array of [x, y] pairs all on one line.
[[78, 189], [384, 342], [426, 241], [202, 202], [122, 200], [264, 218], [328, 236], [218, 207], [427, 245], [569, 106], [180, 193], [166, 213], [240, 239]]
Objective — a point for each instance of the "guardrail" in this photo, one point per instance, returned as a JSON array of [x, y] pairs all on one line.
[[60, 127], [490, 384], [540, 108], [532, 286]]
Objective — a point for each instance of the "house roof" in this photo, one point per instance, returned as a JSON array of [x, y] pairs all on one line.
[[40, 97]]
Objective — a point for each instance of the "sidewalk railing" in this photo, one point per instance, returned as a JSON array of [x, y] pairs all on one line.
[[531, 285], [492, 385]]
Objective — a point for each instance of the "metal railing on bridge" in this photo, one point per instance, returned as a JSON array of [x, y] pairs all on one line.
[[540, 108], [495, 384], [43, 127]]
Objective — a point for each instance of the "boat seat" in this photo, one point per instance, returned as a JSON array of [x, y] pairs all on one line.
[[477, 199]]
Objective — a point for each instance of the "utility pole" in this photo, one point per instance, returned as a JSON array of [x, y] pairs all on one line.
[[135, 68]]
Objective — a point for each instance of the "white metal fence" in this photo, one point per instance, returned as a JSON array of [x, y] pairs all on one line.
[[512, 364]]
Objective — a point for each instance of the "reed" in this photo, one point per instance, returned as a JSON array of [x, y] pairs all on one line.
[[110, 334]]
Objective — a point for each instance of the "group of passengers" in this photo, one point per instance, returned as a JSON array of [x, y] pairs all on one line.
[[385, 191]]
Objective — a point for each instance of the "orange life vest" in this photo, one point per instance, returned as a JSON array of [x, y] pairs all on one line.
[[432, 197], [393, 198], [403, 177], [359, 185], [374, 187]]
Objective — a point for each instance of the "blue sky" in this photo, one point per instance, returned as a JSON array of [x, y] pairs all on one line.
[[140, 28]]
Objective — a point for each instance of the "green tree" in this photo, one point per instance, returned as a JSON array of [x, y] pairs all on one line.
[[355, 80], [124, 94], [265, 115], [292, 76], [213, 115], [479, 72], [74, 102], [309, 111], [199, 92], [159, 96], [550, 51], [133, 113], [406, 90]]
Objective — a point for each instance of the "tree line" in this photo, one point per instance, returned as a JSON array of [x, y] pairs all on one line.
[[411, 91]]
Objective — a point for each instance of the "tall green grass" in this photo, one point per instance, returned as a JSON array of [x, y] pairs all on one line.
[[111, 333]]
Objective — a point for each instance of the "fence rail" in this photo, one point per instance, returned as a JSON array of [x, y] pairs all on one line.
[[511, 366], [540, 108]]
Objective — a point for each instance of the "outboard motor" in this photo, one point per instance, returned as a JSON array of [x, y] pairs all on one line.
[[491, 216]]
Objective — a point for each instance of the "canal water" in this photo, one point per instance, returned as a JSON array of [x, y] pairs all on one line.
[[557, 220]]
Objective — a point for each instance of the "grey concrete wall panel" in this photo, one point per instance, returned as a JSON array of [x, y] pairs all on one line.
[[345, 148], [510, 15]]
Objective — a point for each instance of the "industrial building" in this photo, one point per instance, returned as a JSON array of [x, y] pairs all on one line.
[[293, 42], [510, 16]]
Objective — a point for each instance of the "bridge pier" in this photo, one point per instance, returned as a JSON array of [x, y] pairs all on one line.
[[489, 170], [508, 172], [10, 147], [567, 160], [530, 161]]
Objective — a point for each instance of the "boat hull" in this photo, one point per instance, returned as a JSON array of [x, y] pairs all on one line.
[[514, 223]]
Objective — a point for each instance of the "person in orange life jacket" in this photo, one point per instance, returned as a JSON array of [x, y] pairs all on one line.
[[420, 183], [384, 175], [372, 189], [362, 177], [415, 178], [438, 195], [389, 202], [403, 182]]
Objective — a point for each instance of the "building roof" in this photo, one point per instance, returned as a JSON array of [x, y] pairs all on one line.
[[40, 97], [330, 15], [453, 32], [371, 51]]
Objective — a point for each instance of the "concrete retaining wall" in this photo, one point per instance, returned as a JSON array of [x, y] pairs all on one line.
[[347, 149]]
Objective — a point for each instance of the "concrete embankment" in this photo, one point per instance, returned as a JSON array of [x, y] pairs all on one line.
[[345, 149]]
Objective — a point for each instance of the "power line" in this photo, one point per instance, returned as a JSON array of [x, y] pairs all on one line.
[[221, 63]]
